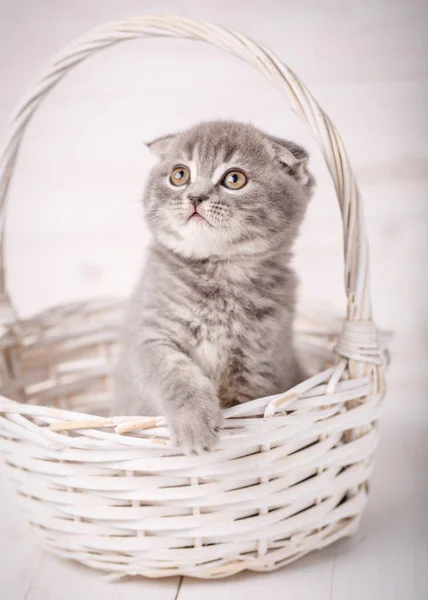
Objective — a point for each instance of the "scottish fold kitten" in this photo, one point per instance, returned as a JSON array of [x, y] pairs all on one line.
[[210, 321]]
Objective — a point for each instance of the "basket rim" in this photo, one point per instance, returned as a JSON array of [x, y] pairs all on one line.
[[324, 388]]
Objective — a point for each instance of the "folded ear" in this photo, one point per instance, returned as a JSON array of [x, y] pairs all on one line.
[[293, 157], [160, 146]]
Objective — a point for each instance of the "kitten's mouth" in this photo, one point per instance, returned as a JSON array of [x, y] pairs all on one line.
[[197, 217]]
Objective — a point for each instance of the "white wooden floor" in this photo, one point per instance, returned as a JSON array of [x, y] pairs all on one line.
[[74, 230]]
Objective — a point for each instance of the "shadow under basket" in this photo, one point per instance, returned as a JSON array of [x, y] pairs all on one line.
[[290, 472]]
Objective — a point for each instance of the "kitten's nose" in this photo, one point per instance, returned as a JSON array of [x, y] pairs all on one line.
[[196, 199]]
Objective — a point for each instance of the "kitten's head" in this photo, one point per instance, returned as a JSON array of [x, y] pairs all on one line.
[[224, 188]]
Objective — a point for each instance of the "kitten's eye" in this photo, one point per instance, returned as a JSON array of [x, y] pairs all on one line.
[[180, 176], [234, 180]]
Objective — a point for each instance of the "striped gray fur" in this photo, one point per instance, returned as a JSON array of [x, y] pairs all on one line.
[[210, 321]]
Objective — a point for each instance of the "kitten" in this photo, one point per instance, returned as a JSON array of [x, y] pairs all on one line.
[[210, 321]]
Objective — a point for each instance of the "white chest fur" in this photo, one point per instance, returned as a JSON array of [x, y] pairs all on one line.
[[207, 355], [209, 352]]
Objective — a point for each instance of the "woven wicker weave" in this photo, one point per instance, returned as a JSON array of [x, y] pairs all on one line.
[[290, 474]]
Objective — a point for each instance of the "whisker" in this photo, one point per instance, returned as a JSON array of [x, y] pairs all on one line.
[[249, 237], [230, 244], [208, 265]]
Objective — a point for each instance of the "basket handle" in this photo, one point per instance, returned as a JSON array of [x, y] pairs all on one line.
[[355, 240]]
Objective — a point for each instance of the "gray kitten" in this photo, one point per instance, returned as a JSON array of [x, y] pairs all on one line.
[[210, 321]]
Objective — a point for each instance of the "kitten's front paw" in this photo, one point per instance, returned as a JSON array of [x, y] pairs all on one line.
[[196, 425]]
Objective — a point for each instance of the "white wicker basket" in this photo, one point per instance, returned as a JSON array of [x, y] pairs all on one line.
[[290, 474]]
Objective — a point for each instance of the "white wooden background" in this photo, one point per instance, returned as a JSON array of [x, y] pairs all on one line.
[[75, 230]]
